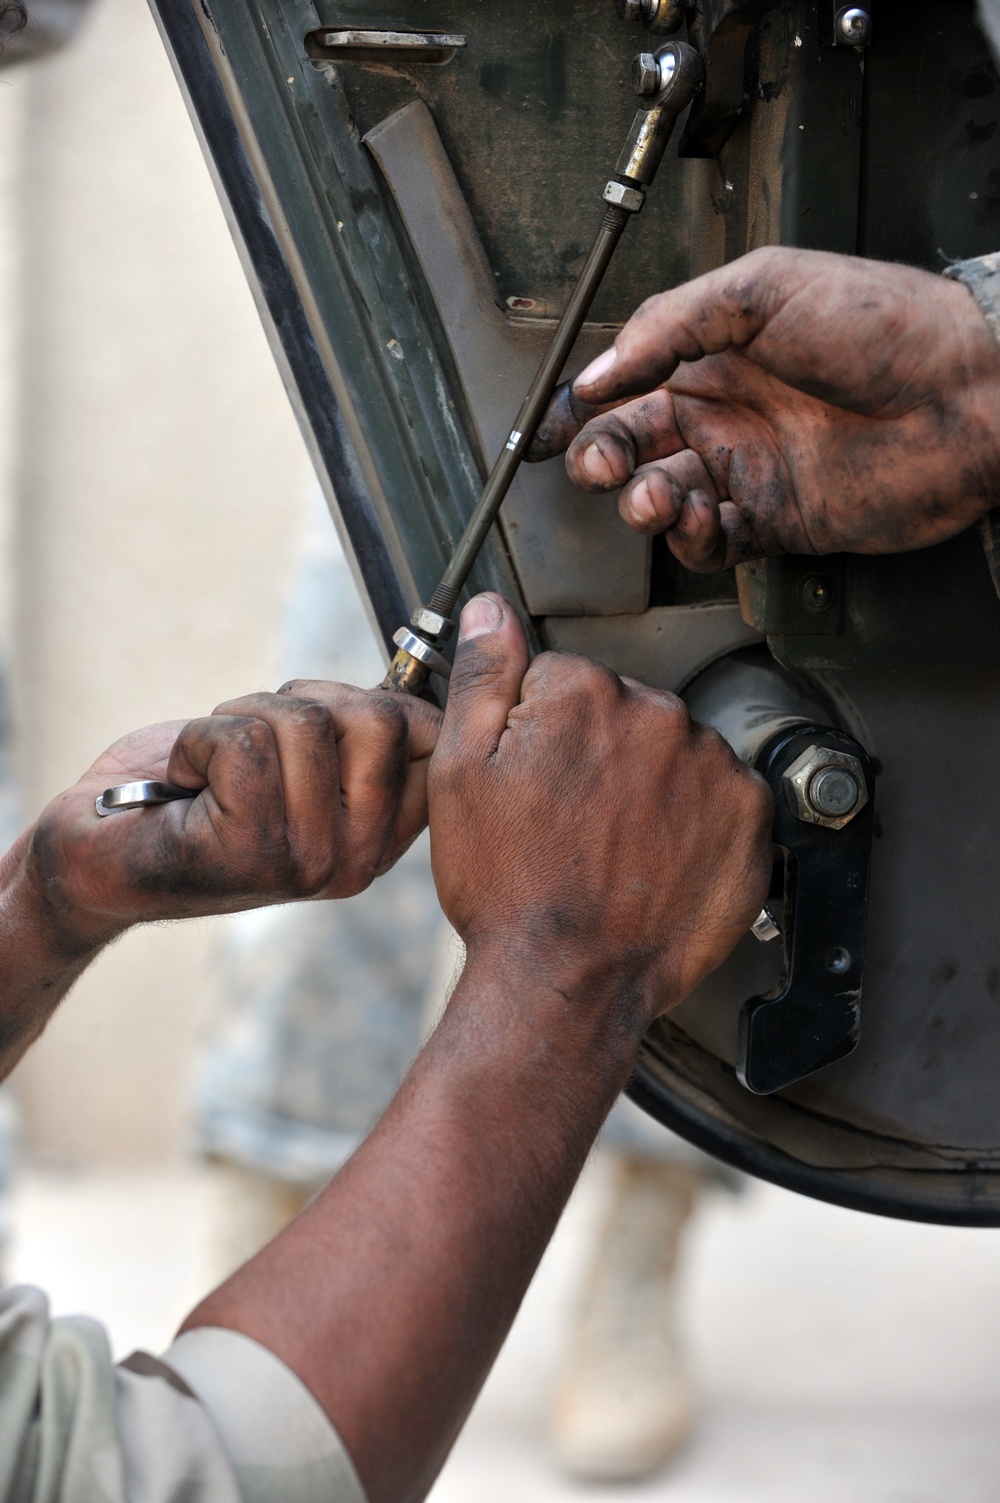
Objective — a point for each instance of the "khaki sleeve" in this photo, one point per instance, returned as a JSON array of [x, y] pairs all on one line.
[[76, 1429], [220, 1420], [282, 1445], [982, 277]]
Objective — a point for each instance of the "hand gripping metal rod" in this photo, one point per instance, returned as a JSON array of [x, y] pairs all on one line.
[[670, 79]]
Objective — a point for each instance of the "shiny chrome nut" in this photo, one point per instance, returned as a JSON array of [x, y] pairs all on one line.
[[435, 625], [854, 25], [765, 926], [825, 787], [422, 651], [631, 199]]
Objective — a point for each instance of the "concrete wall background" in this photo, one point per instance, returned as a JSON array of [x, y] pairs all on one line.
[[151, 467]]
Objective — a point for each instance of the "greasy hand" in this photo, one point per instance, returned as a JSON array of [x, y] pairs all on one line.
[[792, 401], [584, 823], [307, 793]]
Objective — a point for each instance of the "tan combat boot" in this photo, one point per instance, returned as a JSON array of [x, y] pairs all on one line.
[[625, 1404]]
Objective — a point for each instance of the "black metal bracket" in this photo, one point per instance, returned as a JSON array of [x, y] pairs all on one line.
[[814, 1018], [719, 29], [393, 48]]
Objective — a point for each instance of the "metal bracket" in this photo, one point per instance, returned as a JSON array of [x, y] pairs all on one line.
[[814, 1018], [720, 30], [431, 48], [794, 595]]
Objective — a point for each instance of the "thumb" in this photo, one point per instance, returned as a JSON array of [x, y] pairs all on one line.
[[724, 309], [490, 661]]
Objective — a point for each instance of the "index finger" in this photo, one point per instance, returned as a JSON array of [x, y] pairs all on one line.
[[423, 719], [726, 308], [384, 743]]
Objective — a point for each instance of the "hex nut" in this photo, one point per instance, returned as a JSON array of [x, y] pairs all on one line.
[[630, 11], [631, 199], [815, 797], [765, 926], [645, 74], [435, 625]]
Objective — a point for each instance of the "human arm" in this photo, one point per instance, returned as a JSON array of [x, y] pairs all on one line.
[[792, 401], [599, 855], [306, 793]]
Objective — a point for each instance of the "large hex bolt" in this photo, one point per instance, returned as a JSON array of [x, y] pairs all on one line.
[[825, 787], [653, 71]]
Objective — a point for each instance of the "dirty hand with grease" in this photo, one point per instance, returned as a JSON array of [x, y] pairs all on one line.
[[791, 402], [586, 820], [599, 854], [307, 793]]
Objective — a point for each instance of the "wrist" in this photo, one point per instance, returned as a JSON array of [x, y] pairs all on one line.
[[580, 999], [35, 901]]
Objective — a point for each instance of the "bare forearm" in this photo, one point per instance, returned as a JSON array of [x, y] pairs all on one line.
[[391, 1295], [40, 958]]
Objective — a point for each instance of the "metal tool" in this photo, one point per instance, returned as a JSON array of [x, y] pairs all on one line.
[[140, 796], [668, 80]]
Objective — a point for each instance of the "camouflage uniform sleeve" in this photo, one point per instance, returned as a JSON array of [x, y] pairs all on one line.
[[982, 277], [74, 1428]]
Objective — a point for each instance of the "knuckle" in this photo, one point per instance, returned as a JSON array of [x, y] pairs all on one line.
[[385, 719], [313, 875], [584, 678], [251, 735], [309, 713], [648, 308], [675, 718], [367, 863]]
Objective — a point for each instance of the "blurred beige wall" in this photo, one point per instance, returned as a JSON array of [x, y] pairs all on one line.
[[156, 468]]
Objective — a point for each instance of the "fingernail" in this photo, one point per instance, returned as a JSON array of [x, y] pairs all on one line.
[[597, 466], [597, 368], [640, 503], [482, 614]]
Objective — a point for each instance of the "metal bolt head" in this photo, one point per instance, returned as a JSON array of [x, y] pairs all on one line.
[[825, 787], [439, 628], [854, 25], [833, 791], [765, 926], [630, 11], [646, 74], [815, 594]]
